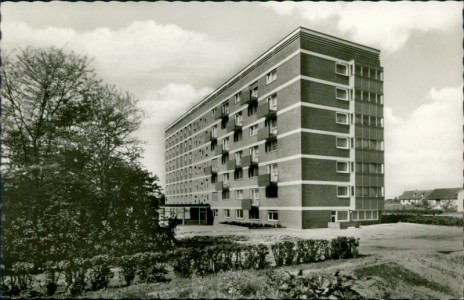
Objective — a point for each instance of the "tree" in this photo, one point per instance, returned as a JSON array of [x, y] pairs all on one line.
[[72, 180]]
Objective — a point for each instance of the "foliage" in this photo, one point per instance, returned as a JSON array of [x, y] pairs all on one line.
[[417, 211], [72, 184], [151, 267], [312, 250], [314, 286], [284, 253], [212, 259], [429, 220], [128, 265], [344, 247], [252, 225], [207, 240], [101, 273]]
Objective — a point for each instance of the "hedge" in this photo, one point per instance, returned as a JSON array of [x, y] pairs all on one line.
[[429, 220]]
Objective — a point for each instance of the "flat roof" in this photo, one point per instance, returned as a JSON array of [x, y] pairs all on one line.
[[290, 35]]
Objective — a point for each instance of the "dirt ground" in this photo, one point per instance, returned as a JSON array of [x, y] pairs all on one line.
[[400, 260]]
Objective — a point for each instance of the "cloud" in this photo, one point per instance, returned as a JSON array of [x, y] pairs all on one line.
[[166, 104], [142, 48], [424, 151], [387, 25]]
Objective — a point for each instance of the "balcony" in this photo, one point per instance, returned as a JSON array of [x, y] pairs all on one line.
[[246, 204], [210, 170], [247, 97], [210, 136], [265, 111], [223, 114], [266, 180], [249, 160], [235, 125], [220, 149], [255, 202], [266, 133], [214, 196], [221, 185], [234, 164]]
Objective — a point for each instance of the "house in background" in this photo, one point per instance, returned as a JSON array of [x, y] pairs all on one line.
[[445, 198], [414, 197]]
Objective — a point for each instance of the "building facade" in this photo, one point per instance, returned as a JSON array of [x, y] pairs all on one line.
[[295, 139]]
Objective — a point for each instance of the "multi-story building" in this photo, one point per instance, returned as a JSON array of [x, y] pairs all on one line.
[[295, 139]]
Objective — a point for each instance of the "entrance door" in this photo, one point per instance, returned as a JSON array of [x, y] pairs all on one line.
[[333, 216]]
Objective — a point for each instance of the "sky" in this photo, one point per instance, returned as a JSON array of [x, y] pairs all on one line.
[[171, 55]]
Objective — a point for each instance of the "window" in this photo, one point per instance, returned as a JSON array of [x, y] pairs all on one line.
[[213, 113], [225, 159], [252, 108], [238, 118], [254, 213], [342, 191], [254, 193], [238, 157], [225, 107], [271, 76], [342, 118], [225, 143], [215, 213], [238, 135], [254, 92], [239, 214], [342, 143], [341, 94], [272, 215], [238, 174], [274, 171], [226, 213], [271, 146], [342, 167], [341, 68], [239, 194], [342, 215], [213, 145], [237, 98], [253, 171], [272, 124], [254, 130], [224, 123], [254, 152], [272, 102], [225, 177]]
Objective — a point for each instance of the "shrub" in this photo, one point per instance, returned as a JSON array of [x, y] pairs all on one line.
[[312, 250], [74, 272], [314, 286], [252, 225], [151, 267], [284, 253], [182, 262], [128, 267], [101, 273], [344, 247]]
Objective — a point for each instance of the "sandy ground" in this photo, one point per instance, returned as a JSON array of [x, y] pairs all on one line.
[[374, 239], [400, 260]]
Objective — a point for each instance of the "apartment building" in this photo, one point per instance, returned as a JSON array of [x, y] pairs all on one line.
[[295, 139]]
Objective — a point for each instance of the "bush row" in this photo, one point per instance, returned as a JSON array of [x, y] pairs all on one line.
[[252, 225], [213, 259], [430, 220], [307, 251], [84, 274], [417, 211]]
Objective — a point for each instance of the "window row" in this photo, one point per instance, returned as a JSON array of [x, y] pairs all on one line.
[[359, 215], [369, 191], [368, 97], [369, 144], [369, 72], [367, 120], [373, 168], [253, 214]]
